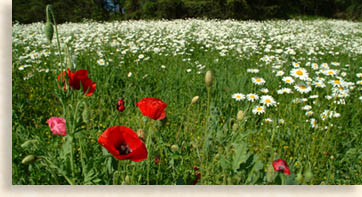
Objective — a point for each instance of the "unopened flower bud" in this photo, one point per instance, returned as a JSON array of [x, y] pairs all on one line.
[[299, 178], [308, 175], [240, 115], [209, 78], [174, 147], [195, 99], [141, 134], [28, 159], [49, 31], [28, 143], [127, 180]]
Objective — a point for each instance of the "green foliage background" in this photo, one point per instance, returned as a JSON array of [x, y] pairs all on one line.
[[28, 11]]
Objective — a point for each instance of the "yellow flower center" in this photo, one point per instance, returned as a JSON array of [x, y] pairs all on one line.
[[299, 72], [337, 82], [267, 100], [302, 87], [259, 109], [258, 79]]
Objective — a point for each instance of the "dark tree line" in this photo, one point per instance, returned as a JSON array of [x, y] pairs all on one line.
[[28, 11]]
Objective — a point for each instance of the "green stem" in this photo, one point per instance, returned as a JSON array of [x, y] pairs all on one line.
[[51, 165], [149, 160]]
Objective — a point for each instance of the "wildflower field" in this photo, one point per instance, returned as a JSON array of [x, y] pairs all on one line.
[[187, 102]]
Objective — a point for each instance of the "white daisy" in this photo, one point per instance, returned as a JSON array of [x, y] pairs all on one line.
[[307, 107], [101, 62], [267, 100], [264, 90], [279, 73], [288, 80], [252, 97], [258, 110], [299, 73], [238, 96], [303, 88], [252, 70], [258, 80], [313, 123], [284, 91], [309, 113]]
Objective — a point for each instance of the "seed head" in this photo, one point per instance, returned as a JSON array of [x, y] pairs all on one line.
[[195, 99], [29, 159], [209, 79]]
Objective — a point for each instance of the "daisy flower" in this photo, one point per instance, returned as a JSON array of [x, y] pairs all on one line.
[[307, 107], [359, 75], [281, 121], [319, 84], [258, 110], [309, 113], [264, 90], [336, 63], [299, 73], [268, 120], [279, 73], [258, 80], [303, 88], [330, 72], [252, 70], [284, 91], [101, 62], [252, 97], [296, 65], [238, 96], [324, 66], [313, 123], [315, 66], [267, 100], [34, 55], [288, 80], [129, 74]]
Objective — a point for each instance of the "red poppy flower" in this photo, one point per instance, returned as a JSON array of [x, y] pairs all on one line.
[[281, 166], [80, 77], [153, 108], [123, 143], [120, 105]]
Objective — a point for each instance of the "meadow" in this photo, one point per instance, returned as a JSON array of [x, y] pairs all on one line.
[[283, 89]]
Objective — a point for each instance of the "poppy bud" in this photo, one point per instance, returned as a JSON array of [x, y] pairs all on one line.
[[127, 180], [299, 178], [209, 78], [174, 147], [240, 115], [141, 134], [28, 143], [308, 175], [195, 99], [49, 31], [28, 159]]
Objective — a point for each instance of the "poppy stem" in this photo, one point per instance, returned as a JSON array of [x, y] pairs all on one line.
[[149, 143]]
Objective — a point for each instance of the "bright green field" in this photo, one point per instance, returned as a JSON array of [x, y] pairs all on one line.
[[315, 125]]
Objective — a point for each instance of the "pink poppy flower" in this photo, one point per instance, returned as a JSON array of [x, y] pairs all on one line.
[[57, 126]]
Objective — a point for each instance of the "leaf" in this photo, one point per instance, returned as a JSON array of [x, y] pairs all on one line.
[[240, 155], [254, 174]]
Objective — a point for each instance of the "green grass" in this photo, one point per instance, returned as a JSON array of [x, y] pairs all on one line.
[[226, 150]]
